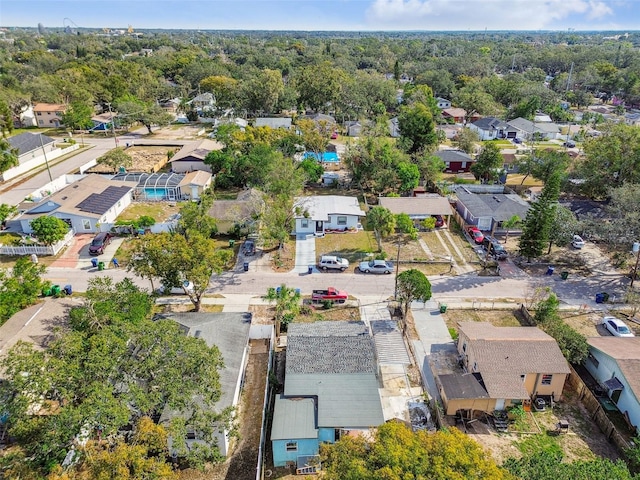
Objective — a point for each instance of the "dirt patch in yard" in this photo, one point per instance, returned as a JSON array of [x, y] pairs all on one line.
[[497, 318], [145, 158], [159, 211]]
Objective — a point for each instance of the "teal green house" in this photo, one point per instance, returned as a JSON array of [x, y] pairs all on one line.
[[331, 389]]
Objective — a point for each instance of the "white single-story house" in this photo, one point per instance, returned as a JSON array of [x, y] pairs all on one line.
[[274, 122], [89, 205], [325, 213], [443, 103]]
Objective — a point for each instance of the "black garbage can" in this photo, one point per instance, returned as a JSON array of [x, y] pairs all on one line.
[[599, 298], [94, 262], [310, 269], [605, 297], [245, 266]]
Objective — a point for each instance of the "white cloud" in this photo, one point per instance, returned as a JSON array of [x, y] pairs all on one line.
[[483, 14]]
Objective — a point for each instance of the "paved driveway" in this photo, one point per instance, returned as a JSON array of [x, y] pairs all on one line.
[[305, 253]]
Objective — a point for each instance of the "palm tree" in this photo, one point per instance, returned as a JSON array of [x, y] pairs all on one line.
[[513, 222], [287, 302]]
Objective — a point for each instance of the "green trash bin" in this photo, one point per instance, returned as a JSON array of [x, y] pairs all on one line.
[[564, 275], [605, 297], [100, 266], [443, 308], [46, 292], [55, 290], [232, 243]]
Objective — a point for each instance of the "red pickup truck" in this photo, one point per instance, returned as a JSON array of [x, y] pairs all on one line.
[[331, 293]]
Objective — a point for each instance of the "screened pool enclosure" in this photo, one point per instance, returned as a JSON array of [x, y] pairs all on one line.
[[154, 187]]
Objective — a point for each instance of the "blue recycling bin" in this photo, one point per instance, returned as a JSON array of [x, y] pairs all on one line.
[[68, 289], [599, 297], [245, 266], [94, 262], [550, 270]]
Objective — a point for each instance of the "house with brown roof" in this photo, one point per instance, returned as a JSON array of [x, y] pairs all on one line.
[[89, 205], [503, 366], [191, 157], [420, 207], [49, 114], [615, 363]]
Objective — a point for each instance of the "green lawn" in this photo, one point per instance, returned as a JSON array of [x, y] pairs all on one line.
[[352, 246], [160, 211]]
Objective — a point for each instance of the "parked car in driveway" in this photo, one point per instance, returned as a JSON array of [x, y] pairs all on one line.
[[475, 234], [494, 248], [439, 220], [162, 290], [376, 266], [99, 243], [577, 242], [569, 144], [249, 247], [331, 262], [616, 327]]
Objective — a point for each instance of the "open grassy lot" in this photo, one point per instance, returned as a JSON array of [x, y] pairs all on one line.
[[160, 211], [352, 246], [410, 250]]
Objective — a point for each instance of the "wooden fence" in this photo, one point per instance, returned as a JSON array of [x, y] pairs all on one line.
[[596, 411]]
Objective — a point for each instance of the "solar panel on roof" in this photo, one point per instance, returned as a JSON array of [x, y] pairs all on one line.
[[100, 203]]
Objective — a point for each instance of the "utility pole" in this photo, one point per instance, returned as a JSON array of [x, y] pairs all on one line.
[[44, 152], [636, 247]]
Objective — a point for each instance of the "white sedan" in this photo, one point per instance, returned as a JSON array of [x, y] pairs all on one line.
[[617, 327], [577, 242], [376, 266]]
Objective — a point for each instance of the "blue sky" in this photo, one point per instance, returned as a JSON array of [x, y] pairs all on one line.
[[352, 15]]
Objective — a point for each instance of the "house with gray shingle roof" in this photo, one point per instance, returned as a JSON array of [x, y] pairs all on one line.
[[504, 366], [455, 161], [615, 363], [331, 389], [526, 129], [490, 128], [31, 145], [229, 332], [486, 210]]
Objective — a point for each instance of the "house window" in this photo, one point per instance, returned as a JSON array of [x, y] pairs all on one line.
[[41, 122], [304, 223], [447, 164], [594, 360], [86, 224], [292, 446], [522, 377], [342, 220], [464, 347], [546, 379], [39, 114]]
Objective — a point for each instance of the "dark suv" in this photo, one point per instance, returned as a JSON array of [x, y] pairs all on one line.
[[99, 243], [494, 248]]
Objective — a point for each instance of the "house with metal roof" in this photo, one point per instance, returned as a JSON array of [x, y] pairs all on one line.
[[229, 332], [614, 362], [89, 205], [489, 210], [274, 122], [191, 156], [503, 366], [330, 390], [418, 208], [320, 214]]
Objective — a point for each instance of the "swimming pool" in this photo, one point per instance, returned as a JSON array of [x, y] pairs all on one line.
[[155, 193], [327, 157]]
